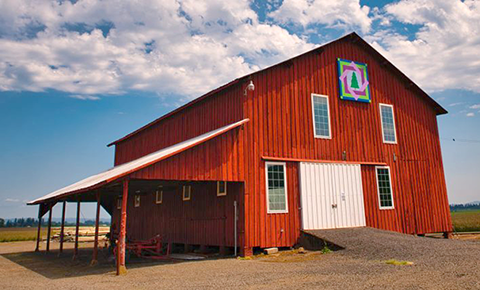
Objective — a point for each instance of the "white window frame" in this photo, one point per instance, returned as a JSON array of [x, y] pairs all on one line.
[[378, 187], [159, 192], [269, 211], [136, 200], [394, 125], [189, 187], [329, 119], [218, 189]]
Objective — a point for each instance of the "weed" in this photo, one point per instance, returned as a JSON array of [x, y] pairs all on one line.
[[326, 250], [398, 263]]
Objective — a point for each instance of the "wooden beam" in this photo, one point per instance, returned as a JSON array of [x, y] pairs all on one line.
[[322, 161], [49, 229], [37, 248], [77, 228], [97, 222], [62, 228], [121, 269]]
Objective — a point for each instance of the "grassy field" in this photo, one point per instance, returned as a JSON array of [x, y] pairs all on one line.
[[466, 221], [463, 221], [19, 234]]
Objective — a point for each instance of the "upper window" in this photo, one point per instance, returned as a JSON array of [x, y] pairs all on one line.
[[159, 195], [321, 116], [187, 192], [221, 188], [388, 124], [276, 187], [384, 186], [137, 200]]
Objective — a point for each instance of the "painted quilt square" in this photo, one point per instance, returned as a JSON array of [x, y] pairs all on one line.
[[353, 80]]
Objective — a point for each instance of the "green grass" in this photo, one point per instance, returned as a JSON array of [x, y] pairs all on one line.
[[398, 263], [466, 220], [18, 234]]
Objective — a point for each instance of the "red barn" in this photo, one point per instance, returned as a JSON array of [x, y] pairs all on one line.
[[335, 137]]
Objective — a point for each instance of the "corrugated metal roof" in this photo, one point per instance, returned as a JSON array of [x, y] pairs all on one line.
[[117, 172]]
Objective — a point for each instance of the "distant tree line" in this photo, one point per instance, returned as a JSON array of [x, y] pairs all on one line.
[[33, 222], [469, 206]]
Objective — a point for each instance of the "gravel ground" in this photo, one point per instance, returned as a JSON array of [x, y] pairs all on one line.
[[437, 264]]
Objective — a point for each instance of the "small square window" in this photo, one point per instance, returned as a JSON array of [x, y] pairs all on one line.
[[187, 192], [137, 200], [159, 195], [221, 188]]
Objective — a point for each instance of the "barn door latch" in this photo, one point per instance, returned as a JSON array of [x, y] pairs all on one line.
[[334, 205]]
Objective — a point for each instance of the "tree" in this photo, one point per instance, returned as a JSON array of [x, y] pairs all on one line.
[[2, 223], [354, 82]]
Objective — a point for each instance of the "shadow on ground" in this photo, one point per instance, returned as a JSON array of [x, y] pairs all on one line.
[[52, 266]]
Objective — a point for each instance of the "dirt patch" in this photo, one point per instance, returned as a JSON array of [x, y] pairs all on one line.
[[438, 264], [289, 256]]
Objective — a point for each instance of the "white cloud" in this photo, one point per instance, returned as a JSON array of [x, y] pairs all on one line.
[[470, 114], [166, 47], [444, 52], [455, 104], [187, 47], [12, 200], [85, 97], [476, 106], [345, 14]]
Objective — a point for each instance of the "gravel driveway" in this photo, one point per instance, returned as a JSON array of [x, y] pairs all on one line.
[[437, 264]]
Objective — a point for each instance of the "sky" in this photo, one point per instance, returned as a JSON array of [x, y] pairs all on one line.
[[76, 75]]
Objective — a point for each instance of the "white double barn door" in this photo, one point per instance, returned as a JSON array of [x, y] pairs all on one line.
[[331, 196]]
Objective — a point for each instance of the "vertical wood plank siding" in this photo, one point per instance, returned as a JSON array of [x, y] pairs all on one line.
[[281, 125], [212, 113], [206, 219]]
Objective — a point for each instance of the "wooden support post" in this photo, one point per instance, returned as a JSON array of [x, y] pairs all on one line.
[[121, 269], [37, 248], [49, 228], [62, 228], [77, 228], [97, 221], [246, 252]]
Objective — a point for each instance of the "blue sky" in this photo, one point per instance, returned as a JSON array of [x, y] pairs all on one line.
[[75, 76]]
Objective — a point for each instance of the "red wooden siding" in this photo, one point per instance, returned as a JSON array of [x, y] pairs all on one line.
[[216, 159], [210, 114], [206, 219], [281, 125]]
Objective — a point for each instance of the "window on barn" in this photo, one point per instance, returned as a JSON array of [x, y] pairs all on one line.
[[137, 200], [388, 124], [384, 186], [159, 195], [276, 187], [321, 116], [187, 192], [221, 188]]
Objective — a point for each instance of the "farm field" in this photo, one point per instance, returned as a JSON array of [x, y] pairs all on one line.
[[19, 234], [30, 234], [466, 220]]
